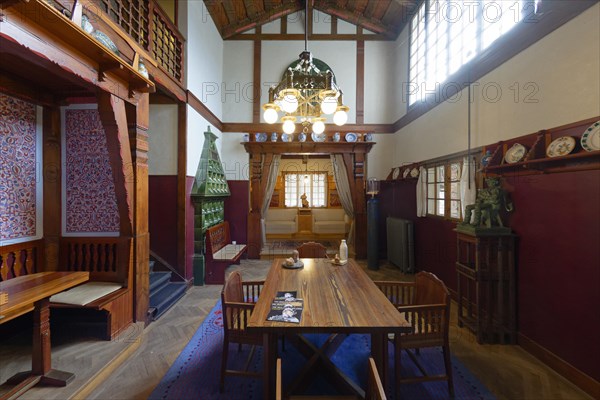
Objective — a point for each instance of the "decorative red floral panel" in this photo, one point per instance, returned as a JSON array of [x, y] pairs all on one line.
[[91, 204], [17, 172]]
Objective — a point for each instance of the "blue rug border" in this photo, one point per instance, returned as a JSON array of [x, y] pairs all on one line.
[[184, 357]]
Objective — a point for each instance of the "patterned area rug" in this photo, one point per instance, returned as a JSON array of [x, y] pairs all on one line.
[[195, 373], [285, 247]]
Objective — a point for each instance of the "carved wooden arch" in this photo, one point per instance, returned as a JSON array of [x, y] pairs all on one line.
[[261, 157]]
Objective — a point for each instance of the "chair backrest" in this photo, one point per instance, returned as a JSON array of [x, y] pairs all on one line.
[[430, 289], [233, 289], [374, 386], [312, 250]]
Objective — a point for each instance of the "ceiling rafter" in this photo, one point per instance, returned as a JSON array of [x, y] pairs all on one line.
[[385, 18], [261, 19]]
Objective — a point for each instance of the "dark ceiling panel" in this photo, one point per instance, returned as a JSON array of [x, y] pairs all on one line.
[[386, 17]]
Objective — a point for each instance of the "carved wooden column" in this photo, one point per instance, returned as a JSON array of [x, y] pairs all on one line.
[[138, 123], [256, 199], [355, 169], [52, 186]]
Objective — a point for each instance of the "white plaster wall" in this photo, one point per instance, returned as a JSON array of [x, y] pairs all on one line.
[[381, 156], [197, 125], [272, 27], [345, 27], [237, 81], [295, 22], [204, 56], [321, 22], [234, 157], [558, 83], [379, 93], [162, 140], [399, 76]]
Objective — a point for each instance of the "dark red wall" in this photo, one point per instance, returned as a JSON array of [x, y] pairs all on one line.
[[236, 210], [557, 220], [162, 216]]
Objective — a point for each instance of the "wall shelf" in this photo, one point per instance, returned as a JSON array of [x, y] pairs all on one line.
[[45, 15], [536, 161]]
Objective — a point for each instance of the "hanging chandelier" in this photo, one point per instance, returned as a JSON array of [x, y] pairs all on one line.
[[307, 91]]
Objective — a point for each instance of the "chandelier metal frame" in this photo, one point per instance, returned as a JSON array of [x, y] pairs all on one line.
[[307, 90]]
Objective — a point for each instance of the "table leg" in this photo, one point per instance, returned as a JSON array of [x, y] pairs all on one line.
[[41, 358], [380, 355], [270, 351]]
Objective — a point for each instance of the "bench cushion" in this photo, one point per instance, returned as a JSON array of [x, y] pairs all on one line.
[[86, 293], [229, 252]]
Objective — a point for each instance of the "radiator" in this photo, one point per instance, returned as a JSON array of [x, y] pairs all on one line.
[[400, 244]]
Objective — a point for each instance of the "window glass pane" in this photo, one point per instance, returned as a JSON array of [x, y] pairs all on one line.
[[291, 190], [455, 191], [455, 209], [440, 207], [431, 190], [440, 191], [430, 206], [454, 171], [440, 173], [430, 175]]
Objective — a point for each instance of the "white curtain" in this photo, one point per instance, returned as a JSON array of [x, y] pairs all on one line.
[[271, 180], [422, 193], [343, 188], [468, 191]]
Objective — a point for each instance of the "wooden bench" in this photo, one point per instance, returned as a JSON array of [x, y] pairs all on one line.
[[106, 259], [220, 253]]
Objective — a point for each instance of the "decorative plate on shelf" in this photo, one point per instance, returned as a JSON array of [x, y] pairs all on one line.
[[406, 172], [86, 25], [287, 137], [414, 172], [351, 137], [515, 154], [590, 140], [260, 137], [560, 146], [318, 137], [301, 137], [106, 41], [396, 173]]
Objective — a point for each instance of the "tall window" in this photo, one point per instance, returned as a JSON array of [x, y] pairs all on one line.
[[447, 34], [312, 184], [443, 190]]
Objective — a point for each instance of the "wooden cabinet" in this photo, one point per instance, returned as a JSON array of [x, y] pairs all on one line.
[[304, 220], [486, 286], [536, 161]]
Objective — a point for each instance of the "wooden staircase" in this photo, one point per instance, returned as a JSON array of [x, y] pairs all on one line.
[[164, 293]]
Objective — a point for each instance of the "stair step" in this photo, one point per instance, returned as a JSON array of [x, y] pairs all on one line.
[[168, 295], [158, 279]]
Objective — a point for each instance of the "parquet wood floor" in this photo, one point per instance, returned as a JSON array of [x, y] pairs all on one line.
[[508, 371]]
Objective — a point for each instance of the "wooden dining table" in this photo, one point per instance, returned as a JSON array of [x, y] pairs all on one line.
[[339, 300], [32, 293]]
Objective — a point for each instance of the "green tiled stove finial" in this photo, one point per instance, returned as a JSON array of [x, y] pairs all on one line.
[[210, 180]]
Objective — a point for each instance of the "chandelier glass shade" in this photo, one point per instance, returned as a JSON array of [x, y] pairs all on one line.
[[307, 91]]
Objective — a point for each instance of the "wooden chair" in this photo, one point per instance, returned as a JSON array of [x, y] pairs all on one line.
[[424, 303], [237, 302], [374, 387], [312, 250]]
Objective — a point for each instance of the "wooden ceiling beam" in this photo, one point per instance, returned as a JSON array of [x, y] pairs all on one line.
[[266, 17], [356, 19]]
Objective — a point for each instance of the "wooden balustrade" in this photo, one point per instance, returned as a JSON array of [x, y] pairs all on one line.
[[147, 26], [21, 259]]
